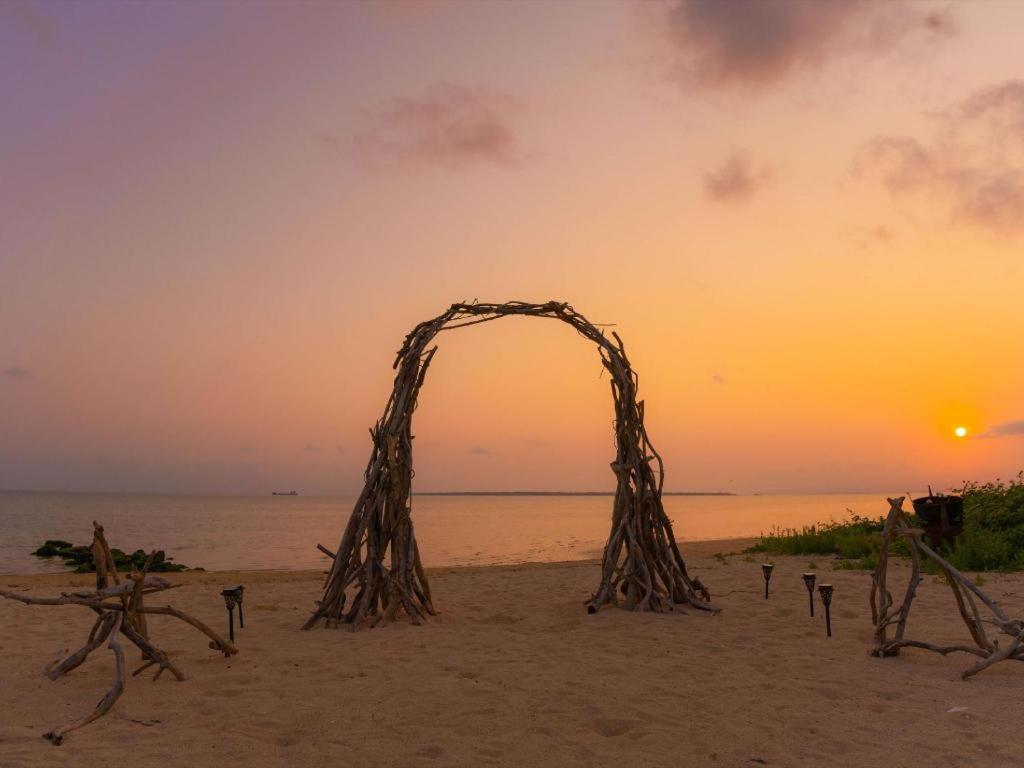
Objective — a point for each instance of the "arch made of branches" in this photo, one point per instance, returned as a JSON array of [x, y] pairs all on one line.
[[377, 571]]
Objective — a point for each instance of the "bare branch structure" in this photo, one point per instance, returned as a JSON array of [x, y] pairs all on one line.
[[377, 571], [885, 612], [120, 610]]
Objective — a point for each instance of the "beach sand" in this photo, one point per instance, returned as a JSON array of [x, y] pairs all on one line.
[[514, 672]]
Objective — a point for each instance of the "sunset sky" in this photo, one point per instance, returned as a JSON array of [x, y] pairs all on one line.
[[218, 222]]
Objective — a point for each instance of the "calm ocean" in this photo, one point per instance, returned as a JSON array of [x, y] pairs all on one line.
[[281, 532]]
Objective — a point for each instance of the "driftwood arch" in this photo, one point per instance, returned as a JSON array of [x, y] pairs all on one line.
[[377, 571]]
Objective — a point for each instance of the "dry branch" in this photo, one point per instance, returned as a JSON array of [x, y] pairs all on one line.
[[57, 734], [120, 610], [376, 572], [884, 613]]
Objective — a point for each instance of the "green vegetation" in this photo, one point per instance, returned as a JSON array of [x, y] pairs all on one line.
[[80, 558], [855, 542], [993, 537]]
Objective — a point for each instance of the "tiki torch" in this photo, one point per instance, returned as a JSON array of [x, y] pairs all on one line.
[[766, 569], [809, 583], [233, 597], [826, 599]]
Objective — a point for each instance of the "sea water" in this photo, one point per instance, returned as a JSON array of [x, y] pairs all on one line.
[[281, 532]]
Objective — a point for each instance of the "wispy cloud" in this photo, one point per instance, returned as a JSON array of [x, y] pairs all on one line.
[[479, 450], [17, 372], [1006, 429], [755, 43], [718, 378], [452, 126], [34, 21], [735, 180], [973, 162], [878, 234]]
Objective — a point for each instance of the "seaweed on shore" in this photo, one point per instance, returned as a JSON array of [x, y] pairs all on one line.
[[79, 558]]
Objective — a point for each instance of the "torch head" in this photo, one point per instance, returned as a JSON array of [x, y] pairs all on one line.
[[826, 594], [232, 596]]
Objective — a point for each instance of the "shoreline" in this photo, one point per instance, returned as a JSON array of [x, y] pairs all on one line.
[[697, 548]]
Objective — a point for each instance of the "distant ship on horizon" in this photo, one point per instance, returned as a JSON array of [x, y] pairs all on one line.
[[284, 493]]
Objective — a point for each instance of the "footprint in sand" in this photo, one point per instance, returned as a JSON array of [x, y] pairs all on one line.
[[832, 694], [611, 727], [226, 693], [500, 618]]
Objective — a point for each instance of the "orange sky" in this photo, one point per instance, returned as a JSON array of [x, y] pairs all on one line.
[[219, 221]]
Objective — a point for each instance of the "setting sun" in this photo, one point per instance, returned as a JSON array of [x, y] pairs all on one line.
[[960, 431]]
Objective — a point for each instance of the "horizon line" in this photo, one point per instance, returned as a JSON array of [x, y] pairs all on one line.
[[563, 493], [343, 494]]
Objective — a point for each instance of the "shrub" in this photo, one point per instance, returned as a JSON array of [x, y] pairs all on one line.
[[993, 537], [857, 541], [992, 540]]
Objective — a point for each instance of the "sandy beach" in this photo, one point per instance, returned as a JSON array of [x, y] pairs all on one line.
[[514, 672]]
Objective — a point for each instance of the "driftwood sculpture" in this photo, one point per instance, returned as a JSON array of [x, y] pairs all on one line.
[[120, 610], [377, 570], [885, 613]]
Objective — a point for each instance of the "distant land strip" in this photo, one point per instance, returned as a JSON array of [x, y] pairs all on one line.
[[561, 493]]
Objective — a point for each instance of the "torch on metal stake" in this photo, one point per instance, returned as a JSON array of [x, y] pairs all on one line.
[[766, 569], [809, 583], [826, 597], [233, 597]]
